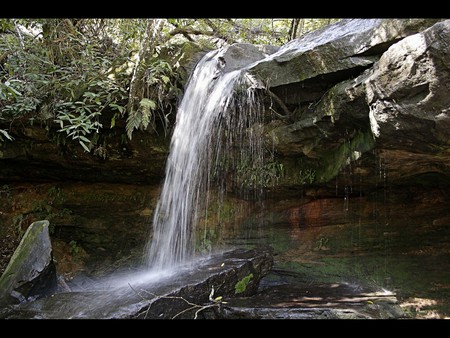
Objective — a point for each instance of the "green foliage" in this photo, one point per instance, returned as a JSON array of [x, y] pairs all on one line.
[[141, 118], [74, 248], [78, 126], [256, 31], [206, 242], [226, 211], [6, 25], [70, 72], [60, 76], [255, 175], [241, 285], [307, 176], [7, 91], [158, 87], [313, 24]]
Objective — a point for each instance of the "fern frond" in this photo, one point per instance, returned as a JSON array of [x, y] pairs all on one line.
[[133, 122]]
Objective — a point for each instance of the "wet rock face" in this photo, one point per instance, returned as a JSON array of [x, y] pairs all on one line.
[[97, 223], [358, 92], [241, 55], [232, 274], [31, 272], [38, 155], [342, 48], [319, 301], [407, 91]]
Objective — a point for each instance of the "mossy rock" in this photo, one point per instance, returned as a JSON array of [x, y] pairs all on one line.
[[31, 272]]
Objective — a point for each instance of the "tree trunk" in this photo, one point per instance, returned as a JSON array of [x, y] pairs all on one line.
[[296, 28], [148, 44]]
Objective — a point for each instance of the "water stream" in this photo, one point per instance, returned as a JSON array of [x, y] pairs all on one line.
[[213, 137]]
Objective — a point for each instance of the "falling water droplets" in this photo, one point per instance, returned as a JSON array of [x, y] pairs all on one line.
[[210, 141]]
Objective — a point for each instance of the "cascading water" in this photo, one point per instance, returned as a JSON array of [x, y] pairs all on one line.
[[212, 136]]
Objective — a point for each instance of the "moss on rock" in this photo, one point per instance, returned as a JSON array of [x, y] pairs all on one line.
[[31, 260]]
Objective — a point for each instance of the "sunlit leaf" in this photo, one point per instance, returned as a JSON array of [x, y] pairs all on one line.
[[165, 79], [6, 134], [147, 103], [84, 146], [85, 139]]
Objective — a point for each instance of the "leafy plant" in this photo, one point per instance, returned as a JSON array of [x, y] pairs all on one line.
[[253, 175], [69, 72], [206, 242], [74, 248], [241, 285], [61, 76], [307, 176], [140, 118], [5, 135], [78, 124], [157, 88]]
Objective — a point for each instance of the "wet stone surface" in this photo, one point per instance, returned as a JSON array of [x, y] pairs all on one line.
[[294, 300], [183, 294]]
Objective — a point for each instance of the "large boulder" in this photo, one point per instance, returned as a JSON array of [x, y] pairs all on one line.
[[241, 55], [31, 272], [335, 51], [366, 94], [409, 106], [408, 88]]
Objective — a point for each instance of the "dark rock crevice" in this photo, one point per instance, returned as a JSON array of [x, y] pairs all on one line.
[[309, 92], [377, 50]]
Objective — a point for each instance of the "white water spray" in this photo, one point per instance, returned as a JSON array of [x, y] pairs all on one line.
[[216, 113]]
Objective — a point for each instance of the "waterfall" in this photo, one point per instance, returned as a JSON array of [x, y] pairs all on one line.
[[213, 135]]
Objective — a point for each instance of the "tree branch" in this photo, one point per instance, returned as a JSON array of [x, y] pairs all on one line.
[[185, 30], [217, 32], [200, 308], [19, 35], [185, 34], [287, 112]]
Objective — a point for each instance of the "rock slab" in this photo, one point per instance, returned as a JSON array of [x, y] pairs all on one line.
[[180, 295], [31, 272]]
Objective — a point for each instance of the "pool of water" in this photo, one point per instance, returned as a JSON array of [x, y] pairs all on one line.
[[406, 256]]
